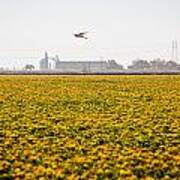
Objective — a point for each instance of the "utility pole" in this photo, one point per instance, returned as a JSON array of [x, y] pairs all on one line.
[[174, 50], [172, 55]]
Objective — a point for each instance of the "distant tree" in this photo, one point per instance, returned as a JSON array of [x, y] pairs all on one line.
[[29, 67], [158, 64], [171, 65], [114, 65], [139, 65], [1, 69]]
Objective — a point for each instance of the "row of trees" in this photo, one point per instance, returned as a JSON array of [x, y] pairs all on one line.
[[156, 64]]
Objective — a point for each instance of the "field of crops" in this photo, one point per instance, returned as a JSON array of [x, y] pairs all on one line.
[[89, 127]]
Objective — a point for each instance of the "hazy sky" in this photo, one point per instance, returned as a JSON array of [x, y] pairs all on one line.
[[119, 29]]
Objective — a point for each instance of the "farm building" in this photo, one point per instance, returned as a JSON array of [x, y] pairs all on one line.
[[78, 66]]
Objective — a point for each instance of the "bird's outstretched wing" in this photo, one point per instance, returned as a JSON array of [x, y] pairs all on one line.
[[83, 33]]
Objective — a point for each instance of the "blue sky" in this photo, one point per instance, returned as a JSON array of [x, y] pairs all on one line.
[[119, 29]]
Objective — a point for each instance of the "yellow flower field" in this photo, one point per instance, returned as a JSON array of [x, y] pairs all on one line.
[[89, 127]]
